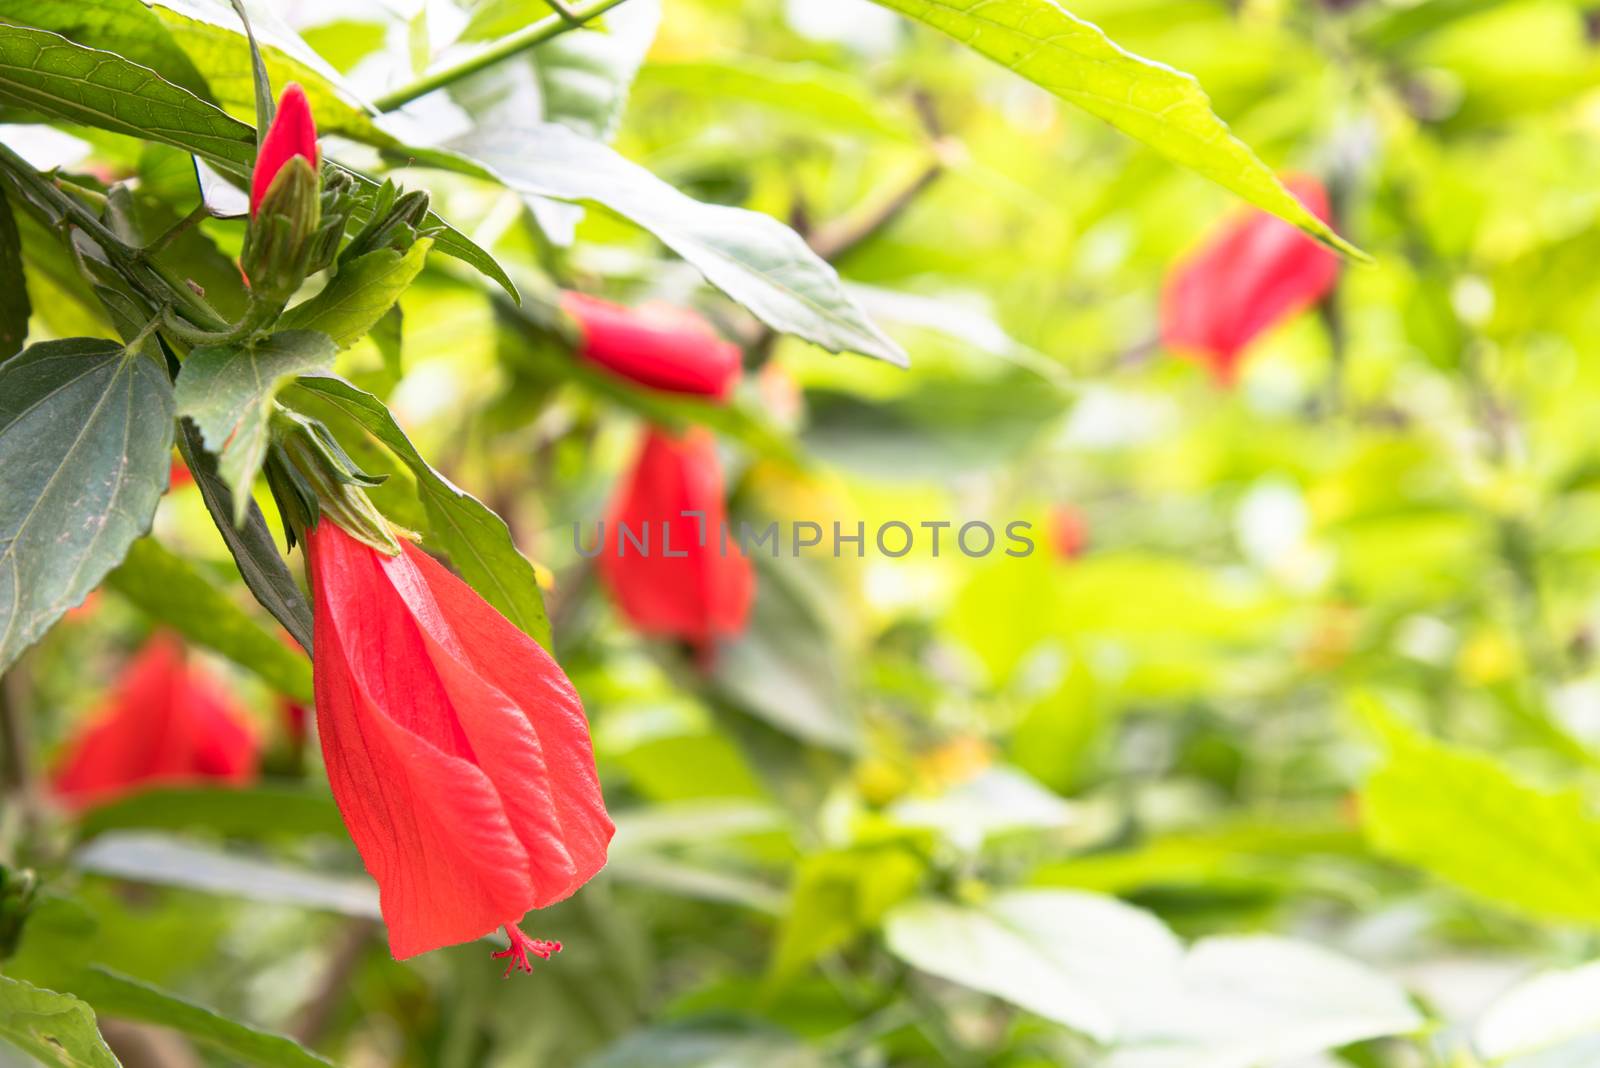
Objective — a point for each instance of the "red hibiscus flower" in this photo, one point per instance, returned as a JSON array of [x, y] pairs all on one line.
[[663, 348], [1258, 272], [292, 133], [167, 723], [457, 750], [676, 575]]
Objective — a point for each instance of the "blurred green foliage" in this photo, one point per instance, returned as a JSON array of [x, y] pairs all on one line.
[[1297, 760]]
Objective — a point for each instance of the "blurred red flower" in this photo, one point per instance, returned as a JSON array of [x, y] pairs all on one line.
[[168, 722], [660, 347], [686, 576], [1069, 532], [457, 749], [292, 133], [1256, 273]]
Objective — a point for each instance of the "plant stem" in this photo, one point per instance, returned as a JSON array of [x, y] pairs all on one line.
[[567, 17], [177, 230]]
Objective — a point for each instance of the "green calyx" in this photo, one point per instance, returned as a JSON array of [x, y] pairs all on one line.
[[279, 246], [313, 478]]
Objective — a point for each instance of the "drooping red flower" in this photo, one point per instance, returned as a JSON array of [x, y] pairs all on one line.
[[1258, 272], [167, 723], [676, 575], [292, 133], [1069, 532], [661, 347], [457, 749]]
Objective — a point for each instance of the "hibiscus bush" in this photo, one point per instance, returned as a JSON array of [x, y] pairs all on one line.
[[805, 533]]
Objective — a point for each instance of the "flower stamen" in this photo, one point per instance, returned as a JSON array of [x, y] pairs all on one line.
[[516, 955]]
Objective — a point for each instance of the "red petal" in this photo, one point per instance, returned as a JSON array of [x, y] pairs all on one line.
[[167, 723], [292, 133], [428, 822], [701, 594], [1257, 273], [671, 349], [540, 691]]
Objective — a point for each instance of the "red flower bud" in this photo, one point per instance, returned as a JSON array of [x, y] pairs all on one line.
[[686, 583], [663, 348], [456, 748], [292, 133], [167, 723], [1069, 532], [1256, 273]]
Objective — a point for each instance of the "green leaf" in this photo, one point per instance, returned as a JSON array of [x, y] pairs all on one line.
[[262, 569], [85, 448], [787, 668], [169, 589], [448, 240], [14, 306], [837, 896], [580, 79], [1549, 1021], [211, 33], [165, 860], [260, 811], [57, 1030], [1164, 108], [719, 1044], [476, 540], [51, 75], [1117, 974], [751, 257], [228, 391], [121, 996], [1465, 818], [126, 27], [810, 94], [360, 295]]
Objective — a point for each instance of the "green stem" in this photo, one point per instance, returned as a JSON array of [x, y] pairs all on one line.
[[177, 230], [535, 33]]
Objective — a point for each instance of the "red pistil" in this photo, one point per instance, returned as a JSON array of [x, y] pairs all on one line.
[[521, 945]]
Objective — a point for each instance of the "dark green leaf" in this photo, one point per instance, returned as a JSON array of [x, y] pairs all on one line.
[[228, 391], [168, 589], [262, 569], [477, 540], [260, 811], [56, 77], [126, 998], [14, 306], [85, 447], [57, 1030], [752, 257], [126, 27], [359, 295]]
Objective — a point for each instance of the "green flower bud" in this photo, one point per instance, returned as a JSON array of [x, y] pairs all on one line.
[[282, 237]]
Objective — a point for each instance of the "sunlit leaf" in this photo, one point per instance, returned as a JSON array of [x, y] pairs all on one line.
[[56, 1030], [1164, 108]]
